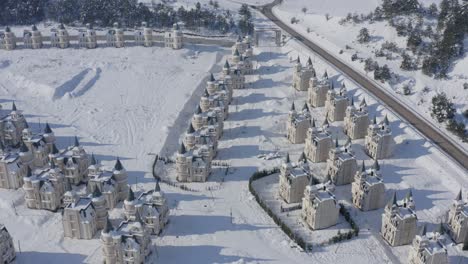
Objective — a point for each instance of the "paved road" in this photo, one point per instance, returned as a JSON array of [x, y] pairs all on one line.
[[438, 138]]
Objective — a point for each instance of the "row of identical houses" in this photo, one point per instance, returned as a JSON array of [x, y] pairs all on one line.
[[82, 188], [200, 143], [319, 206], [115, 37]]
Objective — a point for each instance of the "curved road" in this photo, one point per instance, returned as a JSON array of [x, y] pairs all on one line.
[[438, 138]]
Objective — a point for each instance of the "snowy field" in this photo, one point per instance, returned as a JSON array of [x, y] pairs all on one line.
[[334, 37], [136, 101]]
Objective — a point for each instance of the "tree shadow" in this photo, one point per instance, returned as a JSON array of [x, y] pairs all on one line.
[[267, 83], [201, 254]]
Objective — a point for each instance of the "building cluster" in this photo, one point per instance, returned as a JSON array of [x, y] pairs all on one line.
[[200, 143], [115, 37], [7, 250]]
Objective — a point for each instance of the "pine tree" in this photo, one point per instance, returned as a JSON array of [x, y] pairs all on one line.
[[363, 36], [442, 108], [407, 63]]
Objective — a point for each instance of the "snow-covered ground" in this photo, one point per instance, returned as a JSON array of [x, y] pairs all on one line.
[[334, 37], [136, 101]]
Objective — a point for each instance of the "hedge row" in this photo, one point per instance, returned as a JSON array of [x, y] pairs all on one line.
[[261, 174], [348, 235]]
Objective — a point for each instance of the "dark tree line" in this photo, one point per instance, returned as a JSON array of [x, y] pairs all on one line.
[[127, 12]]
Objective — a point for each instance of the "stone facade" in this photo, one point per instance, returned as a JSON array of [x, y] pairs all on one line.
[[130, 243], [356, 120], [336, 103], [319, 206], [341, 164], [79, 219], [7, 250], [191, 166], [151, 206], [428, 248], [115, 37], [233, 78], [12, 124], [302, 75], [379, 140], [87, 39], [44, 188], [368, 189], [293, 179], [113, 184], [399, 223], [458, 220], [7, 39], [317, 92], [318, 142], [73, 161], [32, 39], [174, 39], [298, 124], [12, 170], [144, 35], [59, 38]]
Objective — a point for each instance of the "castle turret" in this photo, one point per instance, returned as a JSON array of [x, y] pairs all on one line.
[[211, 84], [197, 119], [130, 205], [189, 139], [120, 175], [181, 164], [110, 245], [9, 39], [63, 37], [36, 38], [99, 203]]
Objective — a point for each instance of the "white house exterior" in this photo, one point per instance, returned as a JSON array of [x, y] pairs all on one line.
[[318, 142], [79, 219], [428, 248], [293, 179], [319, 206], [144, 35], [458, 220], [59, 37], [174, 39], [336, 103], [7, 39], [115, 37], [298, 124], [87, 39], [129, 243], [7, 250], [191, 166], [151, 206], [302, 75], [399, 223], [341, 164], [379, 140], [318, 89], [356, 120], [368, 189]]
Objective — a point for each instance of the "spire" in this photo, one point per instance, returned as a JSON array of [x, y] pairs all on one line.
[[52, 164], [226, 65], [54, 149], [298, 60], [305, 107], [313, 122], [206, 94], [352, 101], [190, 129], [138, 217], [212, 78], [343, 85], [108, 228], [130, 195], [23, 147], [7, 29], [363, 102], [423, 231], [61, 26], [386, 120], [392, 201], [309, 62], [77, 143], [118, 165], [459, 196], [182, 149], [336, 142], [376, 165], [293, 108], [96, 192], [13, 107], [440, 228], [2, 146], [332, 85], [287, 160], [302, 157], [239, 38], [157, 188], [198, 111], [28, 171], [34, 28], [325, 75], [47, 129], [409, 195], [236, 52], [374, 121], [93, 160], [325, 123], [363, 167]]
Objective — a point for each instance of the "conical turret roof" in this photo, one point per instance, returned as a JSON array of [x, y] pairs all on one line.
[[236, 52], [374, 120], [54, 149], [313, 122], [28, 171], [459, 196], [182, 149], [47, 129], [61, 26], [309, 62], [305, 107], [303, 157], [13, 107], [298, 60], [157, 188], [93, 160], [287, 159], [212, 78], [34, 28], [226, 65], [293, 108], [363, 167], [23, 147], [206, 94], [423, 231], [130, 195], [7, 29], [108, 228], [77, 143], [190, 129], [118, 165], [376, 165], [386, 122], [325, 75], [96, 192]]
